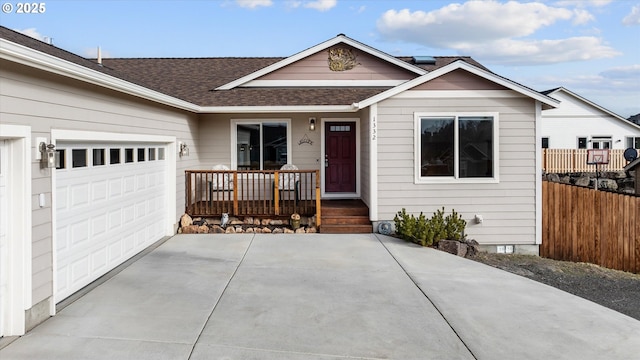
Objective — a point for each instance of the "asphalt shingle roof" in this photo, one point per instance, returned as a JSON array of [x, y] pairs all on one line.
[[193, 79]]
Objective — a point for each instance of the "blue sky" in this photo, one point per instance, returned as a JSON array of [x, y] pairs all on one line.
[[591, 47]]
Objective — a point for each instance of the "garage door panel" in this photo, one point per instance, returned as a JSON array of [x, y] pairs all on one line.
[[99, 192], [106, 214], [99, 260], [129, 184], [115, 188], [79, 195]]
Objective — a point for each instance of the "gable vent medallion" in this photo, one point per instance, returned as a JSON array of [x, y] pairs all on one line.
[[342, 59]]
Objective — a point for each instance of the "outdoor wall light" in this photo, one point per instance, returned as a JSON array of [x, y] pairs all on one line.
[[312, 123], [183, 149], [48, 159]]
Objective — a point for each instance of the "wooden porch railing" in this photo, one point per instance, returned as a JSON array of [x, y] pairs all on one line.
[[575, 160], [252, 192]]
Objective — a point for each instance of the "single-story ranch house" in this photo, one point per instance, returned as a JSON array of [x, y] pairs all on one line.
[[99, 156]]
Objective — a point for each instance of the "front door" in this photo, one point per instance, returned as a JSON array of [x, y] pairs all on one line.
[[340, 157]]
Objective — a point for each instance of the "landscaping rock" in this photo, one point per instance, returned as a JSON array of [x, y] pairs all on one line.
[[300, 231], [248, 220], [453, 247], [553, 177], [185, 220], [250, 230], [230, 230], [265, 222], [583, 181], [275, 222], [277, 231], [472, 247], [266, 230], [312, 230], [190, 229], [607, 184], [203, 229], [216, 229], [256, 222], [288, 231]]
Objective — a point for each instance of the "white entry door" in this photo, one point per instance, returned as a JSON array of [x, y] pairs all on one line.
[[4, 218], [111, 203]]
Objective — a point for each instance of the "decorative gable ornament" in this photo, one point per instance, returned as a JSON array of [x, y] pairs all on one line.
[[342, 59]]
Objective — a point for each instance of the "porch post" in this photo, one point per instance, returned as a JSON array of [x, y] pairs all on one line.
[[235, 193], [318, 202], [276, 193]]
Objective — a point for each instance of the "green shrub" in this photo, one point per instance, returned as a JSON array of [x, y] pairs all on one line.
[[427, 232]]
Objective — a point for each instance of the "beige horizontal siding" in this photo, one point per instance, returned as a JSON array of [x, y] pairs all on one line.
[[316, 67], [508, 207]]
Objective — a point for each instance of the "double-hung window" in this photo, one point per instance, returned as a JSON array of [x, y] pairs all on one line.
[[456, 147], [261, 145]]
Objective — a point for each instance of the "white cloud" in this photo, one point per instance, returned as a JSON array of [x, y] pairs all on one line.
[[252, 4], [495, 32], [634, 16], [582, 17], [472, 22], [583, 3], [630, 73], [531, 52], [32, 32], [321, 5]]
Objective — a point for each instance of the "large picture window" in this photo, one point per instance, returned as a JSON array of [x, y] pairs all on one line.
[[261, 145], [456, 147]]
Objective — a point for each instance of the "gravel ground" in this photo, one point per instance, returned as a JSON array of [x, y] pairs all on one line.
[[617, 290]]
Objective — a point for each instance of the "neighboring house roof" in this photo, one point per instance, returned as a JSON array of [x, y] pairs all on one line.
[[189, 83], [551, 92]]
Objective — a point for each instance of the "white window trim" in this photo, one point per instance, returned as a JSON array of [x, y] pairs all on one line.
[[234, 137], [455, 179]]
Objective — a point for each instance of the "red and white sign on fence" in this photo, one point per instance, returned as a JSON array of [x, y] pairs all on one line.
[[597, 156]]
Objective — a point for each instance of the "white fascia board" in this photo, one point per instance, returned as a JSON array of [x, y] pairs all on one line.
[[276, 109], [546, 100], [312, 50], [36, 59], [322, 83], [587, 101]]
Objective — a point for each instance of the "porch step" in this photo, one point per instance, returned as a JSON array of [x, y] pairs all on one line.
[[346, 229], [345, 217]]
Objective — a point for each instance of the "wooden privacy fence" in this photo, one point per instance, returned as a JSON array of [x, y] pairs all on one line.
[[575, 160], [252, 192], [585, 225]]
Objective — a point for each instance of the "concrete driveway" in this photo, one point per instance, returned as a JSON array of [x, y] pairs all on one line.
[[321, 296]]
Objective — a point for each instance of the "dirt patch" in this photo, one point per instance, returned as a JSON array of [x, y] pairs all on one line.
[[617, 290]]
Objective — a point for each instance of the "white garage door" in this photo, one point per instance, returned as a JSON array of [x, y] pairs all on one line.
[[4, 218], [111, 204]]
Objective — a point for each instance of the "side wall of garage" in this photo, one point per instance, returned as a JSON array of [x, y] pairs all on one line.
[[47, 102]]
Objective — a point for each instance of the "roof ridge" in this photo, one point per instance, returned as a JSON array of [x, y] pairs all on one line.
[[193, 58]]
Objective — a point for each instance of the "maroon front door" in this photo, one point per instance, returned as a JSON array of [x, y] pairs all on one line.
[[340, 157]]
